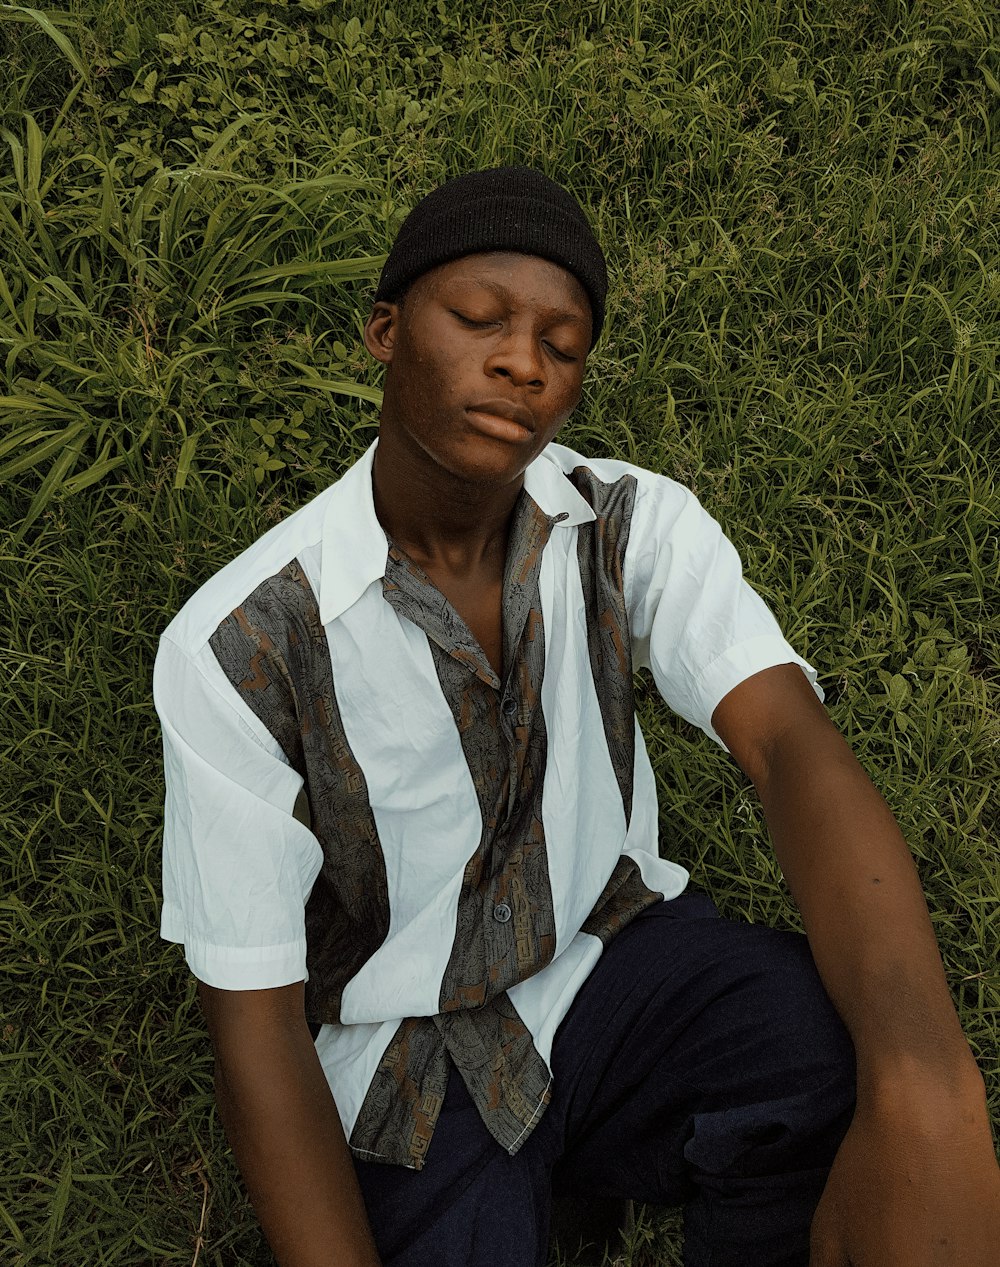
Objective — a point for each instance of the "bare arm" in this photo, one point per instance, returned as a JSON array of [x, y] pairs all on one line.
[[916, 1181], [851, 874], [284, 1128]]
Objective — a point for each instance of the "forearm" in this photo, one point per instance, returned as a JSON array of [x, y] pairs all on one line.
[[851, 874], [285, 1131], [915, 1181]]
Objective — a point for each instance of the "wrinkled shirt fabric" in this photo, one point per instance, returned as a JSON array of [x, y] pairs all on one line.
[[357, 800]]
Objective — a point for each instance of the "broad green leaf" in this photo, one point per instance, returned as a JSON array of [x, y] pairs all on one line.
[[338, 387], [60, 1199], [50, 485], [358, 268], [22, 13], [41, 452], [34, 167], [184, 461], [92, 475], [899, 691]]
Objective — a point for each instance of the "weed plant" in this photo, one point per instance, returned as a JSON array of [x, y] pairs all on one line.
[[800, 207]]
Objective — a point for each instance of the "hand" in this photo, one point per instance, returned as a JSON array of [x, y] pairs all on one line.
[[914, 1185]]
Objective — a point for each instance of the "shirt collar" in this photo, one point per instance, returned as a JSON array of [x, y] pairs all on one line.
[[355, 547], [547, 484]]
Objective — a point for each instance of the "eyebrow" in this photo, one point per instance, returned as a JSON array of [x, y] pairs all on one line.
[[502, 292]]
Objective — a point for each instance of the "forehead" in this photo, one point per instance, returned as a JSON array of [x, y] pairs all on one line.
[[528, 280]]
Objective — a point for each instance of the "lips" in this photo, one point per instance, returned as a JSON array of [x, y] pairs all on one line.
[[503, 419]]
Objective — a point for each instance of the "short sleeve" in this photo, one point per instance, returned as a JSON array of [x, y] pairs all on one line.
[[238, 867], [695, 622]]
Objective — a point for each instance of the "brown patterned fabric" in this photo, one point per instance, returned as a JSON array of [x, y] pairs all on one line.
[[401, 1108], [274, 651], [489, 1044], [624, 896], [413, 594], [601, 549], [496, 1056]]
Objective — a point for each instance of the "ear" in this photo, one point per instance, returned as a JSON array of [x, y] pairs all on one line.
[[380, 331]]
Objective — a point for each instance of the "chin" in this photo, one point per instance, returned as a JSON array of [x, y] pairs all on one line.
[[487, 474], [488, 465]]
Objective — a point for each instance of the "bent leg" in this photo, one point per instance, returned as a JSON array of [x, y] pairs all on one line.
[[702, 1064]]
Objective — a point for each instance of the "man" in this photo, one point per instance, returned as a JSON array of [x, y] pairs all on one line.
[[409, 811]]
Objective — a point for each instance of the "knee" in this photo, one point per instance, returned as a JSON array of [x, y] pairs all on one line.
[[798, 1072], [795, 1009]]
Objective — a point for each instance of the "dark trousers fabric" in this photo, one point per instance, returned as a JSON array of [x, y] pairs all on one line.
[[701, 1065]]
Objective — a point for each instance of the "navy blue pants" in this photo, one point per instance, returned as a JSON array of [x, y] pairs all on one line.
[[701, 1065]]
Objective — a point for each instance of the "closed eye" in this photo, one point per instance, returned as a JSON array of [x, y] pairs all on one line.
[[562, 356], [471, 321], [474, 324]]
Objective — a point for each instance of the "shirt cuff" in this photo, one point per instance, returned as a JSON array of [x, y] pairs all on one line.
[[237, 967], [738, 663]]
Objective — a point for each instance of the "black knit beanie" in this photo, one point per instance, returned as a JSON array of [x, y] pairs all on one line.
[[502, 209]]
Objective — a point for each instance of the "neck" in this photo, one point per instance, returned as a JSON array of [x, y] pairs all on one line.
[[439, 519]]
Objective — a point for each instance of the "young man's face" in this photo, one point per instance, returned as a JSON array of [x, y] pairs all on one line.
[[485, 358]]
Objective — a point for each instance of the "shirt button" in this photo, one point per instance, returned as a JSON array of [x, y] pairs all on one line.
[[509, 706], [501, 913]]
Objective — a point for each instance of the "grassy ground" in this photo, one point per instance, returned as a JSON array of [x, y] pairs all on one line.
[[800, 206]]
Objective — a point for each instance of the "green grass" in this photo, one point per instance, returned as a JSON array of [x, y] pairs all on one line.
[[800, 209]]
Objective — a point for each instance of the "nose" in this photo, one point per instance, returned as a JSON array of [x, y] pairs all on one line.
[[518, 358]]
